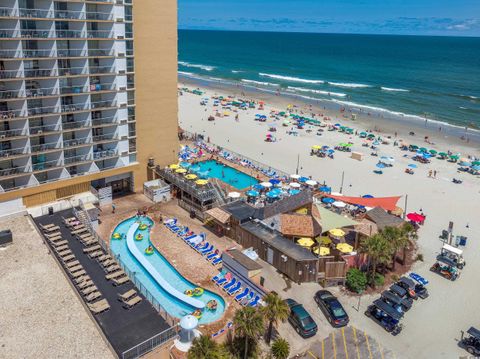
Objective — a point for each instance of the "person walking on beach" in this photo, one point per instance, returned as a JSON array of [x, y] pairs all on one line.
[[435, 174], [430, 173], [113, 207]]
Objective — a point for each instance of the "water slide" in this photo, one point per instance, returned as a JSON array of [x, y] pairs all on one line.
[[155, 274]]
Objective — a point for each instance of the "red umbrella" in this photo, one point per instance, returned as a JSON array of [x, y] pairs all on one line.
[[415, 217]]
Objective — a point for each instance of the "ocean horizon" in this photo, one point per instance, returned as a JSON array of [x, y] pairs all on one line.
[[400, 76]]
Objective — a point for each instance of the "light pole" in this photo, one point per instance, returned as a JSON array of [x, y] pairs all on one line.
[[341, 185], [298, 163]]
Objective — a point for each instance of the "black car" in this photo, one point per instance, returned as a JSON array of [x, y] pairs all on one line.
[[301, 320], [394, 301], [471, 343], [402, 293], [385, 316], [331, 308], [415, 290]]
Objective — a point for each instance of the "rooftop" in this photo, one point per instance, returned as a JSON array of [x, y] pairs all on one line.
[[276, 240], [241, 258], [330, 220], [299, 225], [383, 219]]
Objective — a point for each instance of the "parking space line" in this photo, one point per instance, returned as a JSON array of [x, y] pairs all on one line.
[[368, 345], [345, 343], [334, 347], [380, 349], [356, 342], [323, 348], [311, 354]]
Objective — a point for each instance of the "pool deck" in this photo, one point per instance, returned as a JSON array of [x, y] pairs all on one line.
[[123, 328], [41, 316], [188, 262]]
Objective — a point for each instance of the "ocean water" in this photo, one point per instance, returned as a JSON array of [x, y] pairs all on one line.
[[403, 76]]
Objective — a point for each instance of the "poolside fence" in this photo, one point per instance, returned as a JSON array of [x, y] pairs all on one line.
[[150, 344]]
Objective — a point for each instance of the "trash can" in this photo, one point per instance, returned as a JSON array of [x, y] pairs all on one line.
[[50, 211], [192, 214], [5, 237]]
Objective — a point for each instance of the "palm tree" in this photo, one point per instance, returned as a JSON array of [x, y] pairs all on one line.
[[248, 323], [394, 237], [409, 232], [275, 310], [378, 250], [280, 349], [204, 347]]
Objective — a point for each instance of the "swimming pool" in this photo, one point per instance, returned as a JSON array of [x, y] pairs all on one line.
[[158, 276], [229, 175]]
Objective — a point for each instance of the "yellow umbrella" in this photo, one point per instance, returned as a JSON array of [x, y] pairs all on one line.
[[336, 232], [323, 240], [324, 251], [201, 182], [306, 242], [174, 166], [181, 170], [344, 247], [316, 147], [191, 176]]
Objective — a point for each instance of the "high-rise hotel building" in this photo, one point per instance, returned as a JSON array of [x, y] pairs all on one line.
[[88, 93]]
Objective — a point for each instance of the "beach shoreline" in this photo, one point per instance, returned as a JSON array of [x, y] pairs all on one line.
[[448, 139]]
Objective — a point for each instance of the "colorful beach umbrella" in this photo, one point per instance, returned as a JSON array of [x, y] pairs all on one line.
[[336, 232], [185, 164], [412, 165], [258, 186], [306, 242], [191, 176], [252, 193], [266, 184], [181, 170], [293, 192], [274, 181], [294, 185], [316, 147], [324, 251], [367, 196], [272, 194], [174, 166], [325, 189], [415, 217], [311, 183], [303, 179], [328, 200], [295, 176], [201, 182], [344, 247], [324, 240]]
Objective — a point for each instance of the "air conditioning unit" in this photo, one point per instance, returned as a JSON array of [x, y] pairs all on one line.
[[40, 132]]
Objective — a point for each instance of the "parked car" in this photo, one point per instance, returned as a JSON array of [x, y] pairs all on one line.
[[401, 292], [471, 343], [394, 301], [386, 316], [331, 308], [300, 320], [415, 290]]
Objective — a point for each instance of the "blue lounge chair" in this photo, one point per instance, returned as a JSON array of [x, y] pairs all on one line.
[[190, 237], [242, 295], [199, 247], [221, 281], [210, 256], [248, 299], [207, 250], [170, 222], [230, 284], [183, 232], [254, 302], [220, 332], [174, 229], [235, 288], [217, 277], [217, 261]]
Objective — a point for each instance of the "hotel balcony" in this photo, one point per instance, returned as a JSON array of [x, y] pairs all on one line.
[[11, 74], [11, 94], [77, 142], [47, 165], [16, 152], [44, 129], [74, 160], [51, 53], [75, 125], [46, 147], [99, 155], [105, 138], [12, 134], [14, 171]]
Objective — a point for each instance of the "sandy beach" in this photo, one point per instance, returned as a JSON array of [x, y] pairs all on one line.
[[452, 305]]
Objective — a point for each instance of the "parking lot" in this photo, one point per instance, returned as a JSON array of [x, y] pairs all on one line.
[[347, 342]]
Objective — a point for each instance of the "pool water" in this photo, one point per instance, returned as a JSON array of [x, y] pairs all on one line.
[[229, 175], [174, 306]]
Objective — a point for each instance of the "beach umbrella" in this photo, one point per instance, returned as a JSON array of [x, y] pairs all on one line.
[[465, 163], [412, 165], [185, 164], [336, 232], [252, 193], [181, 170], [294, 185], [380, 165], [306, 242], [476, 163], [339, 204], [324, 240], [293, 192], [433, 152], [303, 179], [258, 186], [367, 196], [325, 189], [476, 168], [371, 135], [443, 154], [316, 147], [274, 181], [234, 195], [266, 184], [311, 182], [454, 157], [328, 200], [201, 182], [324, 251], [415, 217], [191, 176], [272, 194], [174, 166], [344, 247], [295, 176]]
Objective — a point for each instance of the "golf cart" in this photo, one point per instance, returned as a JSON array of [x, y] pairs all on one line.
[[385, 316], [394, 301], [453, 253], [446, 268], [471, 343], [403, 294], [415, 290]]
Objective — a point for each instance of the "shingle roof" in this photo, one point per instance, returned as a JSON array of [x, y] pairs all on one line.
[[382, 219], [366, 227], [219, 214], [298, 225]]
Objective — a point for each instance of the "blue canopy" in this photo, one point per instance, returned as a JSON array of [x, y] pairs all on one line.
[[185, 164], [274, 181], [325, 189], [328, 200], [412, 165], [293, 192], [303, 179], [367, 196], [276, 190], [252, 193], [465, 163], [258, 186], [476, 168], [272, 194]]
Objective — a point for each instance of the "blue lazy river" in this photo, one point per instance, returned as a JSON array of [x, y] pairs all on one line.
[[158, 276], [229, 175]]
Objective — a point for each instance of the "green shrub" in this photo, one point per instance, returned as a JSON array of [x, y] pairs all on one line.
[[419, 257], [356, 280], [395, 277], [379, 280]]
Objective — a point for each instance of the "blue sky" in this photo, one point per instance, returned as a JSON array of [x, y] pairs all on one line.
[[409, 17]]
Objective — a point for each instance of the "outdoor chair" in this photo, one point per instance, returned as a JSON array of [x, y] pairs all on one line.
[[92, 296], [242, 295], [99, 307], [116, 274], [127, 295], [82, 279], [132, 302], [65, 253], [120, 281], [72, 264], [85, 284], [79, 273], [89, 289]]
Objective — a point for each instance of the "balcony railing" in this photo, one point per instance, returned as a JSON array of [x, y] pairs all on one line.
[[111, 120], [109, 137], [75, 124], [46, 91], [77, 142], [11, 94], [34, 111], [5, 172], [76, 159], [12, 133], [40, 166], [101, 104], [33, 53], [10, 114], [31, 73], [12, 152], [98, 155], [71, 71], [69, 15], [35, 13], [99, 16], [10, 74], [10, 54], [37, 34], [45, 147], [35, 130], [102, 69], [101, 34], [8, 12]]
